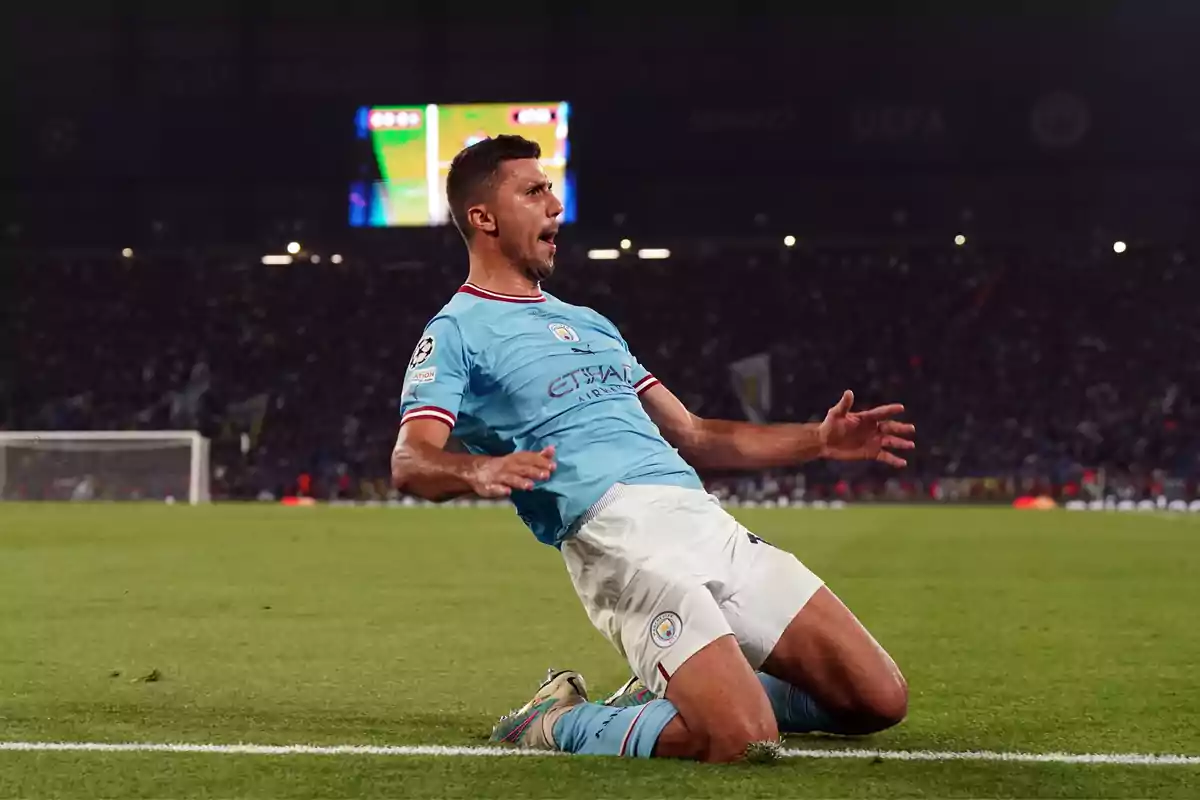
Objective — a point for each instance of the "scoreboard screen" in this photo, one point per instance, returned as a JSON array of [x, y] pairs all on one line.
[[405, 154]]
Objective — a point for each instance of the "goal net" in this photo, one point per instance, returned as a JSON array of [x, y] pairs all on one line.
[[104, 465]]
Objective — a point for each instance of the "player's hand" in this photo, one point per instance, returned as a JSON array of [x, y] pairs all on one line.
[[865, 435], [498, 477]]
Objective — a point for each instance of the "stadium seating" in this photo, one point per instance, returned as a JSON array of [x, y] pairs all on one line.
[[1024, 367]]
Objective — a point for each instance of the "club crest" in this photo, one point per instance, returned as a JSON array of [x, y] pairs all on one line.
[[564, 333]]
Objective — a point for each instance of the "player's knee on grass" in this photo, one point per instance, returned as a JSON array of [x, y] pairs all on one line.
[[722, 706], [874, 704], [827, 652], [881, 704], [724, 745]]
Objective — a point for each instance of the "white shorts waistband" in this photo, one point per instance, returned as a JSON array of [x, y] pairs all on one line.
[[607, 499]]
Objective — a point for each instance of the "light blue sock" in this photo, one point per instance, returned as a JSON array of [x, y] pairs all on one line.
[[795, 710], [594, 729]]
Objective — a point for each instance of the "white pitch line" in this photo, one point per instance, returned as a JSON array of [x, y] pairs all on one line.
[[270, 749], [1138, 759], [1133, 759]]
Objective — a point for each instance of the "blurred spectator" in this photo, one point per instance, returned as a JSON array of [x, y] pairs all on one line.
[[1024, 370]]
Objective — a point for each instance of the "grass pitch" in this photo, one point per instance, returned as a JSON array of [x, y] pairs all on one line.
[[1018, 631]]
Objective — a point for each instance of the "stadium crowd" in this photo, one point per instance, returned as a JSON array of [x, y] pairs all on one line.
[[1026, 370]]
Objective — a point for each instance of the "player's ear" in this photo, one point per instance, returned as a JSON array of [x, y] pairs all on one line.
[[479, 218]]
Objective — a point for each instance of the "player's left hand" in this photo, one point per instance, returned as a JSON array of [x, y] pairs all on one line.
[[865, 435]]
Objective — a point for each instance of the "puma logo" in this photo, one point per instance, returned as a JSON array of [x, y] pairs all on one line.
[[616, 713]]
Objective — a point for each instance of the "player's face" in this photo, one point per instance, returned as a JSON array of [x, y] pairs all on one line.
[[526, 213]]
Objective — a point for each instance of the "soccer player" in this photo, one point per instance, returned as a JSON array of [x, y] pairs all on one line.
[[732, 639]]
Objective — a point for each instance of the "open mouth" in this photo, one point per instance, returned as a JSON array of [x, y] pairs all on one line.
[[548, 239]]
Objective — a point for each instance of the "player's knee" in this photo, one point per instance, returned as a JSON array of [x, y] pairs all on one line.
[[679, 740], [730, 742], [716, 741], [883, 705]]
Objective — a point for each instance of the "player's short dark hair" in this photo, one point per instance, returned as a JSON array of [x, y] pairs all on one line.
[[474, 168]]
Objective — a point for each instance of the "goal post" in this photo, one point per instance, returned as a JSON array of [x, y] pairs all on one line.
[[104, 465]]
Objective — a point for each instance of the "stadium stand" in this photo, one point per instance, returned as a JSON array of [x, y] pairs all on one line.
[[1024, 370]]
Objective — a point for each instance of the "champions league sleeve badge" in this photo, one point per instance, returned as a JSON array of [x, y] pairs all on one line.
[[423, 352]]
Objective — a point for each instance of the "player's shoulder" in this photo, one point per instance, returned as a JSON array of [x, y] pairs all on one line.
[[482, 320], [473, 308], [458, 306], [463, 309], [586, 312], [450, 326], [473, 318]]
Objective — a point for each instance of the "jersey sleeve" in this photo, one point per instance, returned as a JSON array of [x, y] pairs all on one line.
[[436, 380], [642, 378]]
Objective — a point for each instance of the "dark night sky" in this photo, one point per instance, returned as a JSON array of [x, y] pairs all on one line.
[[242, 115]]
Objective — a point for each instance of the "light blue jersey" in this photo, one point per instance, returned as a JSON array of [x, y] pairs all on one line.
[[522, 373]]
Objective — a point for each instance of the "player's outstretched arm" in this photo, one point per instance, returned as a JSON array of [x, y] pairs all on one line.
[[422, 467], [843, 435]]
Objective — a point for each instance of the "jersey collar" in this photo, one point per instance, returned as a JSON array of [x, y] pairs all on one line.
[[487, 294]]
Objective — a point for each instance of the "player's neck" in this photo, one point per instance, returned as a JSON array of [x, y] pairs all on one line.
[[501, 278]]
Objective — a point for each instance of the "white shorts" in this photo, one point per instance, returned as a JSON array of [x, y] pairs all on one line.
[[663, 571]]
